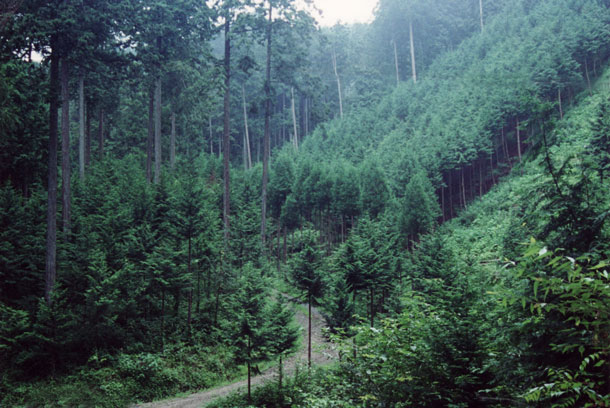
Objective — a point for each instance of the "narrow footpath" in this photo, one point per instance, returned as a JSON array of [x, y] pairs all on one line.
[[322, 353]]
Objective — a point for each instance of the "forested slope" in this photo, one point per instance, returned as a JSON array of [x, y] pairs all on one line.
[[460, 120], [504, 305]]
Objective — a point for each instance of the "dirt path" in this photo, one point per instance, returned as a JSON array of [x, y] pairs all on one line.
[[322, 353]]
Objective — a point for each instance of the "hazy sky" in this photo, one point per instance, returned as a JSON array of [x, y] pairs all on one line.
[[346, 11]]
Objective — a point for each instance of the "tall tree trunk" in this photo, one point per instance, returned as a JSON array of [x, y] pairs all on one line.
[[295, 139], [481, 13], [248, 154], [450, 194], [372, 295], [443, 200], [480, 178], [412, 48], [226, 148], [267, 134], [189, 270], [518, 141], [587, 76], [249, 372], [162, 318], [211, 137], [157, 130], [172, 143], [396, 62], [280, 371], [559, 101], [334, 56], [306, 121], [491, 169], [100, 135], [51, 244], [65, 147], [150, 140], [81, 127], [309, 332], [463, 190], [87, 134]]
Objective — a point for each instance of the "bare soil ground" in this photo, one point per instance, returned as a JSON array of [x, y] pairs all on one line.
[[322, 353]]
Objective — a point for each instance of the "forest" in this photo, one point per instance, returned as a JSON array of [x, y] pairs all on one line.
[[190, 191]]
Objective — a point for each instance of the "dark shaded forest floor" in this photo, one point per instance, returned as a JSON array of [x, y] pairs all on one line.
[[322, 353]]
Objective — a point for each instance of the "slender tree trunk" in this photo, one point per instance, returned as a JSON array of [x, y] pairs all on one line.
[[279, 245], [157, 131], [211, 137], [100, 135], [396, 62], [518, 141], [249, 374], [450, 194], [334, 56], [81, 126], [87, 135], [443, 201], [412, 47], [480, 178], [190, 304], [51, 244], [65, 147], [481, 13], [559, 101], [150, 141], [309, 333], [226, 148], [372, 292], [163, 318], [172, 143], [587, 76], [285, 245], [295, 141], [247, 133], [463, 190], [280, 371], [491, 169]]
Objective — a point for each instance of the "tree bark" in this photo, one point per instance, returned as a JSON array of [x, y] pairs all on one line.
[[87, 135], [51, 242], [65, 147], [157, 131], [309, 333], [226, 149], [412, 48], [172, 143], [267, 135], [150, 141], [518, 141], [559, 101], [100, 135], [587, 76], [334, 56], [248, 153], [463, 190], [249, 373], [295, 139], [396, 62], [280, 371], [211, 137], [481, 13], [81, 126]]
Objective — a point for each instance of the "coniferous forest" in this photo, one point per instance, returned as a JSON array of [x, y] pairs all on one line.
[[190, 190]]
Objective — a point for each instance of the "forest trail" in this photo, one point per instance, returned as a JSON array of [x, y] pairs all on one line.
[[322, 353]]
